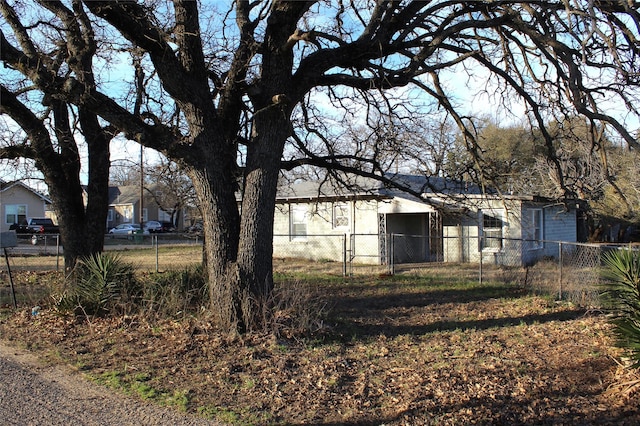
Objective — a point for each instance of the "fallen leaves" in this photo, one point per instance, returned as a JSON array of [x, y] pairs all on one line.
[[412, 357]]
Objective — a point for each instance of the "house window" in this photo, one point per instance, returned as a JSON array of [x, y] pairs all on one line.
[[491, 232], [341, 215], [145, 215], [536, 228], [110, 215], [164, 216], [15, 213], [298, 222], [127, 213]]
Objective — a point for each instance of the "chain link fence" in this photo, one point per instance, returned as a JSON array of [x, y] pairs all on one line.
[[46, 253], [569, 271]]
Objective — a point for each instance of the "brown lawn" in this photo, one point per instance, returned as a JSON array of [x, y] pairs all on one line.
[[403, 350]]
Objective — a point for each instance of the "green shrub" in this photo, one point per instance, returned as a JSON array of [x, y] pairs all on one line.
[[100, 284], [622, 297]]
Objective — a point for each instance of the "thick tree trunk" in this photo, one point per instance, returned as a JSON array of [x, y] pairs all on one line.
[[238, 249], [271, 127], [255, 256], [218, 205], [82, 227], [81, 231]]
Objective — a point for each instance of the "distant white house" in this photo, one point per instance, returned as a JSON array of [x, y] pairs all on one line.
[[19, 202], [450, 222]]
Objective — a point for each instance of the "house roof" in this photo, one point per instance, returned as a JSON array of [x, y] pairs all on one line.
[[4, 186], [438, 192], [358, 186], [127, 194]]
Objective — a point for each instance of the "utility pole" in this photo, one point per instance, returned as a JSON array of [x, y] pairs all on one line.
[[141, 187]]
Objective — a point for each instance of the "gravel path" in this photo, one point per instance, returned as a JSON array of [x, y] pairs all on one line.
[[35, 394]]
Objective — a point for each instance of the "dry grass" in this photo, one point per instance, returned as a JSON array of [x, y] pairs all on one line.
[[146, 258], [413, 349]]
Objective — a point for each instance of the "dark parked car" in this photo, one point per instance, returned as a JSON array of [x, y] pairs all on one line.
[[167, 227], [37, 227], [197, 229]]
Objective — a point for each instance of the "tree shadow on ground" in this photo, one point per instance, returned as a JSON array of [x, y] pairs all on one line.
[[391, 295], [360, 330], [366, 316]]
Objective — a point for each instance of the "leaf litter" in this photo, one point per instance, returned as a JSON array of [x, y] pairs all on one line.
[[399, 356]]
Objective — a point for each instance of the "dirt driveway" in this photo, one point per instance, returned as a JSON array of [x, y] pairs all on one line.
[[33, 394]]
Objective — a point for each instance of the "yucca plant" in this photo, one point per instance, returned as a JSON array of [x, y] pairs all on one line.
[[622, 297], [103, 283]]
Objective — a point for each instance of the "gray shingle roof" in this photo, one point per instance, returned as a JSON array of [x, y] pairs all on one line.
[[364, 186]]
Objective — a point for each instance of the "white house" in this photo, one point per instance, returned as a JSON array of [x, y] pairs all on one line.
[[450, 222]]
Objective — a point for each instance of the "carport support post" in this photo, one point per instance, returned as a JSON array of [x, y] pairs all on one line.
[[13, 291], [392, 266]]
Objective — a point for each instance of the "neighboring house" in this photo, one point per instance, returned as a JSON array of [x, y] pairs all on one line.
[[124, 206], [19, 202], [445, 224]]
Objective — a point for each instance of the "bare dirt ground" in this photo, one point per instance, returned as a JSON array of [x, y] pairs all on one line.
[[392, 350]]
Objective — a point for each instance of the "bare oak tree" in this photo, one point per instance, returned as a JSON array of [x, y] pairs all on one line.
[[235, 95], [50, 130]]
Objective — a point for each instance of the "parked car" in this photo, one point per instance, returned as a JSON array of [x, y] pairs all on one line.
[[36, 225], [196, 230], [126, 229], [153, 226], [168, 227]]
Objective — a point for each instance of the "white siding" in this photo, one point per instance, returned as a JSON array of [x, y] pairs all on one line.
[[323, 240]]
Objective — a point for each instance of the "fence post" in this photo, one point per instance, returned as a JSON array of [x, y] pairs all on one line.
[[13, 290], [58, 253], [560, 250], [344, 255], [480, 238], [154, 239]]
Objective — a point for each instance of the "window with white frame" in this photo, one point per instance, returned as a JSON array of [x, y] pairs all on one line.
[[298, 221], [127, 213], [341, 215], [15, 213], [491, 231], [536, 228], [110, 215]]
